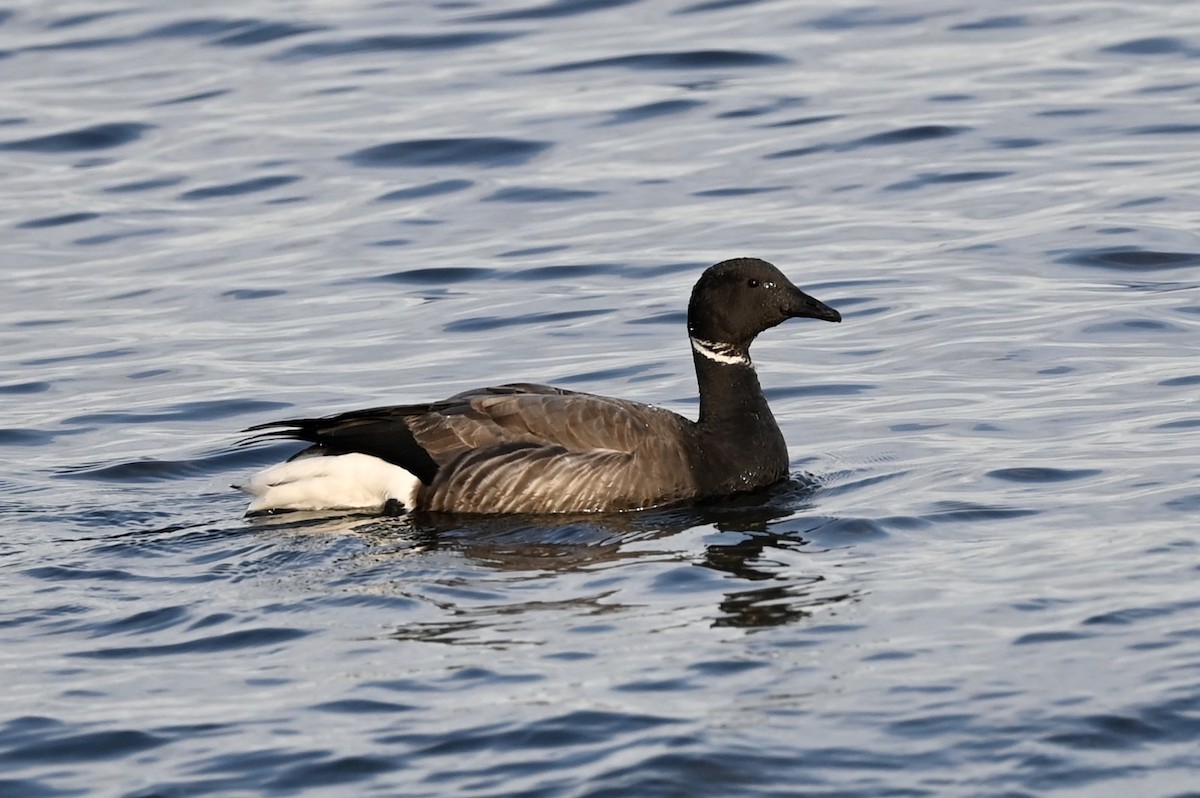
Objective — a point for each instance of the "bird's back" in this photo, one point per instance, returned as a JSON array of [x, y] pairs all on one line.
[[537, 449], [520, 448]]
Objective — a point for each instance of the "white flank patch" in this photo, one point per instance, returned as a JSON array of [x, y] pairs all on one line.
[[719, 352], [340, 482]]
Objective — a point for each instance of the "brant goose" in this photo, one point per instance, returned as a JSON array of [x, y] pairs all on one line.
[[525, 448]]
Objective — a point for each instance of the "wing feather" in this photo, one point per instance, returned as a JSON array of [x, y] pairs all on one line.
[[516, 448]]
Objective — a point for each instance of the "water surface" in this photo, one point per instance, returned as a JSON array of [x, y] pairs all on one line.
[[982, 580]]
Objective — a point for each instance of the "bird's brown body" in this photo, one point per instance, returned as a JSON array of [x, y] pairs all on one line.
[[526, 448]]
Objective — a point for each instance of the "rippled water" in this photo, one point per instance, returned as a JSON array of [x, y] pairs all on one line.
[[984, 580]]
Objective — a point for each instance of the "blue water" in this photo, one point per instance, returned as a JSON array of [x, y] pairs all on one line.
[[983, 581]]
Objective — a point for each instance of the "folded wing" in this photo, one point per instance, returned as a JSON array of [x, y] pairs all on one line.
[[515, 448]]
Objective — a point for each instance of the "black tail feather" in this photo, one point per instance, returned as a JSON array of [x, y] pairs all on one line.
[[381, 433]]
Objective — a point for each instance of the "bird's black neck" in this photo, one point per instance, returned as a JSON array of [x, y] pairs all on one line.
[[736, 428], [729, 390]]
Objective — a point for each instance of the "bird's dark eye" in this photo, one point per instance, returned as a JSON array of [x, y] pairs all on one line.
[[752, 283]]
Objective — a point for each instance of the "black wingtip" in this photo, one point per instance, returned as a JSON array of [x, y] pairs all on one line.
[[292, 422], [272, 431]]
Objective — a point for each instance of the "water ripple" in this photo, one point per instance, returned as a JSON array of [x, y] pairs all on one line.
[[255, 32], [1130, 259], [1042, 474], [539, 194], [1153, 45], [393, 43], [641, 113], [426, 190], [331, 771], [486, 323], [58, 221], [144, 185], [143, 622], [865, 17], [362, 706], [228, 641], [480, 151], [994, 23], [92, 137], [196, 409], [265, 183], [36, 386], [553, 10], [687, 59], [1170, 129], [154, 469], [11, 436], [440, 275], [908, 135], [79, 747], [942, 178]]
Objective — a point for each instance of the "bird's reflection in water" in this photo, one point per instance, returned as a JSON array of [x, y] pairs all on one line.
[[746, 538]]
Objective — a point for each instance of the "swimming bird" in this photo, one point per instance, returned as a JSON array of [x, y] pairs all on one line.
[[527, 448]]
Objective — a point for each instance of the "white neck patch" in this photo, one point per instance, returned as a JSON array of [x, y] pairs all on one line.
[[720, 353]]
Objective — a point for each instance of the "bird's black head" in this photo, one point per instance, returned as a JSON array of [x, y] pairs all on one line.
[[737, 299]]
